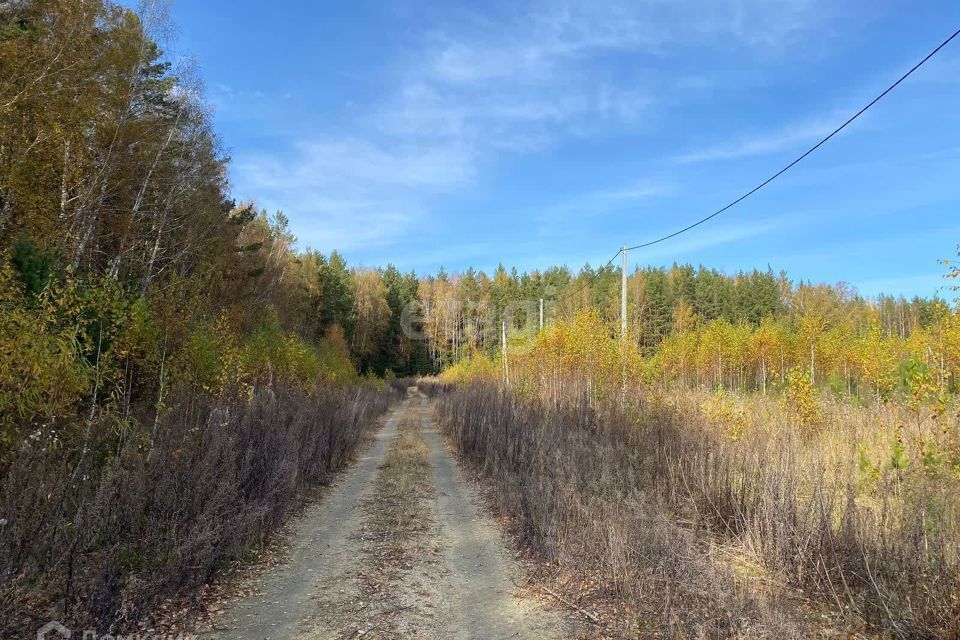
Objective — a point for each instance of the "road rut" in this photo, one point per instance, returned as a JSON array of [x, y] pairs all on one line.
[[457, 580]]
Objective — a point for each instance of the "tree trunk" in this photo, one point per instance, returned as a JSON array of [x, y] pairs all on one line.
[[64, 181]]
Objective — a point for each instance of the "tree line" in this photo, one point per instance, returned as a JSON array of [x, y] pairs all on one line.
[[701, 327], [175, 374], [126, 268]]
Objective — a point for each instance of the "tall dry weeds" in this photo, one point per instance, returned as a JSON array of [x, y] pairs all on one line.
[[101, 527], [641, 499]]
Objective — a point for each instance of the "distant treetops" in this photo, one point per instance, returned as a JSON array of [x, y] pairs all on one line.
[[126, 268]]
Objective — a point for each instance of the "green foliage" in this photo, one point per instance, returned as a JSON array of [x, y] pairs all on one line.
[[203, 356], [32, 264], [919, 385], [271, 353], [869, 472], [933, 460], [953, 271], [335, 356], [898, 456], [130, 270], [333, 302], [41, 376], [214, 358], [143, 290]]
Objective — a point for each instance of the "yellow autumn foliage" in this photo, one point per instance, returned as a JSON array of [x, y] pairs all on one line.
[[41, 376]]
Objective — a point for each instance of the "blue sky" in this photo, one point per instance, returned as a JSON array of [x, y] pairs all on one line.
[[539, 133]]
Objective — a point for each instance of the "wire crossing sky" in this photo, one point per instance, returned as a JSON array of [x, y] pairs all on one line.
[[799, 159], [541, 133], [796, 161]]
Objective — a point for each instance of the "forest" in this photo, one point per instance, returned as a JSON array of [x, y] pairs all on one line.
[[177, 372], [151, 329]]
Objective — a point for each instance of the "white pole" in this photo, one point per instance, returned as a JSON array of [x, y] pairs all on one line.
[[623, 295], [623, 327], [541, 314], [503, 343]]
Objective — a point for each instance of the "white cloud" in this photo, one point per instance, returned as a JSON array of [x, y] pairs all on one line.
[[790, 137], [637, 191], [354, 165], [344, 224], [611, 202], [546, 36], [692, 245], [942, 70], [349, 193], [481, 86], [518, 121], [519, 81], [225, 96]]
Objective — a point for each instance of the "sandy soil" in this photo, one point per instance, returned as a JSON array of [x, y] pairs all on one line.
[[399, 550]]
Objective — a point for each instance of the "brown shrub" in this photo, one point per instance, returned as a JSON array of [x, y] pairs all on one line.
[[600, 491], [433, 387], [101, 527]]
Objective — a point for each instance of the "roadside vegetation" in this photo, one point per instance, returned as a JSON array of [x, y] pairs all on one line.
[[104, 525], [707, 510], [176, 371]]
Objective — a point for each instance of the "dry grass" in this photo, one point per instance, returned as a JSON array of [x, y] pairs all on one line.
[[396, 530], [864, 510], [404, 482], [103, 527], [699, 523]]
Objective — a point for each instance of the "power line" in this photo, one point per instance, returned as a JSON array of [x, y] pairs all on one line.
[[805, 154], [593, 277], [589, 280]]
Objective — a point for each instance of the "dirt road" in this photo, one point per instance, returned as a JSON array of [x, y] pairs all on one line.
[[399, 548]]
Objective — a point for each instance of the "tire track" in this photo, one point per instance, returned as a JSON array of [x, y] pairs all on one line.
[[322, 547], [479, 576], [351, 574]]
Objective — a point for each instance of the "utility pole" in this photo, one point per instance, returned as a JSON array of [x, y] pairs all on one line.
[[541, 314], [623, 327], [503, 347], [623, 295]]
